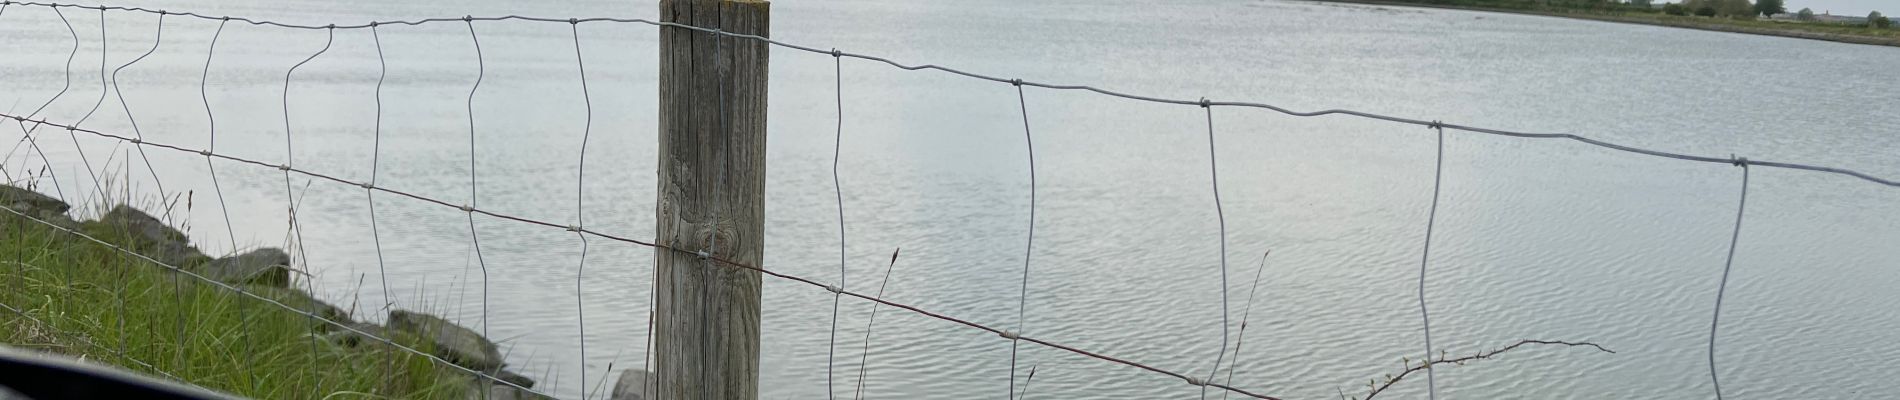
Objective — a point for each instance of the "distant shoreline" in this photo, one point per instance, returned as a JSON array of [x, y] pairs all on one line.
[[1658, 20]]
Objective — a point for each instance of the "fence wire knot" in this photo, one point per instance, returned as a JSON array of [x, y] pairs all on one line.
[[1009, 335], [703, 255], [834, 289], [1194, 381], [468, 18], [367, 186], [1205, 103], [1016, 82], [1738, 161], [573, 228], [468, 209], [573, 21], [1436, 124], [835, 53]]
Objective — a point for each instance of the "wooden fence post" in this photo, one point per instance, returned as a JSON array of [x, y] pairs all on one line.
[[711, 198]]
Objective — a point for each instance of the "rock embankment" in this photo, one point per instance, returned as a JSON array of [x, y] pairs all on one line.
[[266, 272]]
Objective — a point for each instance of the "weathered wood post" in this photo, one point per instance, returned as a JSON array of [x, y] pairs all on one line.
[[712, 198]]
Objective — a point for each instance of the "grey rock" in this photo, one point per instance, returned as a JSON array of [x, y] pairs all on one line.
[[627, 387], [264, 267], [505, 392], [149, 236], [454, 343], [59, 220], [35, 205], [512, 377], [24, 200], [496, 391]]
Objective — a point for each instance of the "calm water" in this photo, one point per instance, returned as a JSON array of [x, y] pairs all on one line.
[[1535, 239]]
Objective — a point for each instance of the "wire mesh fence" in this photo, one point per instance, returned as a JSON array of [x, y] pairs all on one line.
[[252, 308]]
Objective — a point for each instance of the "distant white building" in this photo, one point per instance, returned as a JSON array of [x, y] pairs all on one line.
[[1826, 16]]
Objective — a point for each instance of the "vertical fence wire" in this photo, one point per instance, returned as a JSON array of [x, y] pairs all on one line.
[[211, 126], [1213, 169], [1735, 237], [1438, 173], [157, 39], [474, 237], [1029, 245], [481, 70], [291, 198], [369, 193], [63, 304], [580, 195], [837, 152], [86, 162]]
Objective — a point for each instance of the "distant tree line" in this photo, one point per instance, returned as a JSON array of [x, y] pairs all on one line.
[[1737, 9]]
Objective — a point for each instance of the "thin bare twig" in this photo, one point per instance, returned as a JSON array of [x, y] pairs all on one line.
[[1393, 379]]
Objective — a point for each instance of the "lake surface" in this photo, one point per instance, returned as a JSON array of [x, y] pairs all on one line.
[[1534, 239]]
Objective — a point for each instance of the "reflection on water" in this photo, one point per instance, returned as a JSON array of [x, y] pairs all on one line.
[[1534, 239]]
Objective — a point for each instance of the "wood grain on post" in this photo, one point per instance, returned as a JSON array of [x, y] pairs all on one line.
[[712, 198]]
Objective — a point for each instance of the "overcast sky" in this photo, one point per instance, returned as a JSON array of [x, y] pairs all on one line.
[[1847, 7]]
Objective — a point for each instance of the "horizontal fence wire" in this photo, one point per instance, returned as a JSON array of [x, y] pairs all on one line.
[[1891, 182], [471, 209], [576, 228]]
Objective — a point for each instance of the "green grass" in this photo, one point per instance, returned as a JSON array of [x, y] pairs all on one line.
[[1629, 14], [88, 301], [1817, 27]]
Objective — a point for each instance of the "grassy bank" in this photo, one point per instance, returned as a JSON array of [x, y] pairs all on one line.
[[85, 300], [1801, 30]]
